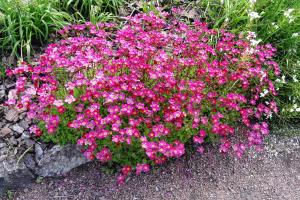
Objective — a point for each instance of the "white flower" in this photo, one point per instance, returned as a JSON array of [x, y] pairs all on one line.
[[252, 1], [288, 15], [251, 35], [269, 116], [58, 103], [283, 79], [275, 25], [255, 42], [254, 15], [295, 34], [295, 78], [70, 99], [264, 93], [288, 12]]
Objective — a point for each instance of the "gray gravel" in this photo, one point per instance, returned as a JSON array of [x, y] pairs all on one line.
[[272, 174]]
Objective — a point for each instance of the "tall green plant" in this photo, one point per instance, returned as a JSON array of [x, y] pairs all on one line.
[[28, 23], [274, 21]]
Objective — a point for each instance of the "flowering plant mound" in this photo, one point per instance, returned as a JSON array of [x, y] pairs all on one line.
[[137, 95]]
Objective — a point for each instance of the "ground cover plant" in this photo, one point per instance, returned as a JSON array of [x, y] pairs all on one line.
[[136, 96]]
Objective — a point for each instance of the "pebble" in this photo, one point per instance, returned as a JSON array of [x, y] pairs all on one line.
[[2, 95], [13, 141], [24, 124], [3, 157], [12, 115], [18, 128], [25, 135], [9, 85], [22, 115], [3, 151], [5, 131], [2, 145]]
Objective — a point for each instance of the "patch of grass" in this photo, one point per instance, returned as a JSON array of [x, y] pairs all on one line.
[[9, 194], [25, 24]]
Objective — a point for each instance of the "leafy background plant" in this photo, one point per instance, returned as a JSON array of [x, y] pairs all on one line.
[[279, 25], [28, 24]]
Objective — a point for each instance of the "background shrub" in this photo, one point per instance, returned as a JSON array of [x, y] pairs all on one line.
[[276, 22]]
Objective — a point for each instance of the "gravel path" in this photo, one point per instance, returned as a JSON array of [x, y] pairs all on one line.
[[272, 174]]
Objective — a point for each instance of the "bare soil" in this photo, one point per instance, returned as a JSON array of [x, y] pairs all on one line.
[[272, 174]]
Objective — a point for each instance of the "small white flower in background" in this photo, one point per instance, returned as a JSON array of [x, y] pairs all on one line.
[[295, 78], [252, 1], [269, 116], [275, 25], [288, 15], [295, 108], [255, 42], [295, 34], [283, 79], [288, 12], [264, 93], [251, 35], [250, 51], [227, 19], [254, 15]]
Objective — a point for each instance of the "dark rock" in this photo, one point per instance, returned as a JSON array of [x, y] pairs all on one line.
[[38, 151], [9, 84], [2, 124], [29, 162], [60, 160], [14, 175]]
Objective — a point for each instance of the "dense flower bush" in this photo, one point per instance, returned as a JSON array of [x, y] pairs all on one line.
[[137, 95]]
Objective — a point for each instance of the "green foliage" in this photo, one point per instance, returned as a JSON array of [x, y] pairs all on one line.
[[84, 8], [278, 24], [2, 71], [25, 24]]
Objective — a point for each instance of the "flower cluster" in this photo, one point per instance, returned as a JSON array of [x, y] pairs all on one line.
[[137, 94]]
